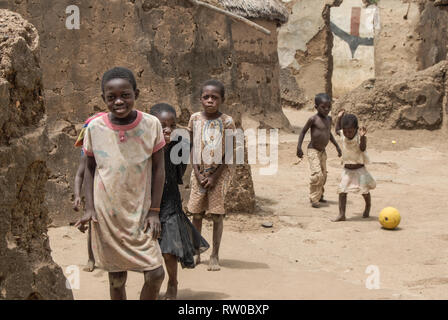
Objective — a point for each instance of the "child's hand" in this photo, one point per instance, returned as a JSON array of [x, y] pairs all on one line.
[[211, 182], [152, 223], [341, 113], [300, 153], [362, 131], [201, 178], [338, 149], [88, 215], [77, 203]]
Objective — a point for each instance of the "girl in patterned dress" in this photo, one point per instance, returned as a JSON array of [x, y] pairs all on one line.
[[210, 176], [123, 186]]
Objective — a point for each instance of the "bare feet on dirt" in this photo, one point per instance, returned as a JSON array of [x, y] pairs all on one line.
[[214, 264], [339, 218], [197, 259], [90, 266], [171, 292]]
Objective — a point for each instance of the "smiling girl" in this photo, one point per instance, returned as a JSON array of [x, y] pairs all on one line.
[[123, 184]]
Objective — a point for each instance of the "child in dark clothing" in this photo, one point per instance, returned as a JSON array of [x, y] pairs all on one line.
[[179, 240]]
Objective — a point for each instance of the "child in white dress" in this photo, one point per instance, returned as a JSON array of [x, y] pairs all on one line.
[[355, 178]]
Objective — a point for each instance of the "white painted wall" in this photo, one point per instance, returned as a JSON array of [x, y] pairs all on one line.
[[304, 23], [349, 72]]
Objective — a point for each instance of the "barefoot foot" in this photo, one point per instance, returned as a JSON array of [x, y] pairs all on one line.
[[366, 215], [214, 264], [197, 259], [171, 292], [339, 218], [90, 266]]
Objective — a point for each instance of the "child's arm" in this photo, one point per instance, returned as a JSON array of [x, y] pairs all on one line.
[[363, 143], [79, 178], [213, 178], [338, 149], [157, 183], [201, 178], [302, 136], [90, 213], [339, 121]]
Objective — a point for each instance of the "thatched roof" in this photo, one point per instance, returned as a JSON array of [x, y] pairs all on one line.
[[261, 9]]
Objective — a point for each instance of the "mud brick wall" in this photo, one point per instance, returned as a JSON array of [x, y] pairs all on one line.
[[27, 270], [171, 46]]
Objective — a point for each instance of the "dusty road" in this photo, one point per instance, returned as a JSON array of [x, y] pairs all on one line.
[[305, 255]]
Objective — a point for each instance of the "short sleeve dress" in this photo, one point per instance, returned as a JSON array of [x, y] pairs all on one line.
[[122, 191], [355, 180], [209, 145]]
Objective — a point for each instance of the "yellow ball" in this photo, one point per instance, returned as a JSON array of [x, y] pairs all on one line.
[[389, 218]]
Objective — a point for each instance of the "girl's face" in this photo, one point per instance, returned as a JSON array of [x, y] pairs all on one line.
[[168, 121], [119, 96], [349, 132], [211, 99]]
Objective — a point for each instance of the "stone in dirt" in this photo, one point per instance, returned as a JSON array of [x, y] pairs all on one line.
[[27, 270], [267, 224]]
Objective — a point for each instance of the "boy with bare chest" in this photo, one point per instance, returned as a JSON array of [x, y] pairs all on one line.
[[320, 125]]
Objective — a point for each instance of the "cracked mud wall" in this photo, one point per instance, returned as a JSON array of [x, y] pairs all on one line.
[[406, 41], [409, 88], [171, 46], [414, 100], [27, 270], [305, 45]]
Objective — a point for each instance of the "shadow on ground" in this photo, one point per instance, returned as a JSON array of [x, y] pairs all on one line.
[[188, 294]]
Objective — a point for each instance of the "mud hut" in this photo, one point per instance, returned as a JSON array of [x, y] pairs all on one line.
[[172, 46]]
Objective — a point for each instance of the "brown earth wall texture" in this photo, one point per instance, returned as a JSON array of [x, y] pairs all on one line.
[[171, 46], [401, 101], [307, 35], [27, 270], [407, 40]]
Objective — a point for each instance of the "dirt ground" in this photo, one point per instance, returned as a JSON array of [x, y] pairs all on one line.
[[305, 255]]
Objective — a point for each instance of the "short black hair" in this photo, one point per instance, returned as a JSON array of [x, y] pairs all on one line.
[[349, 121], [121, 73], [162, 107], [215, 83], [321, 97]]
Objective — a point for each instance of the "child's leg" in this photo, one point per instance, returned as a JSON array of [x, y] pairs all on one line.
[[153, 282], [171, 268], [197, 223], [91, 262], [323, 165], [368, 205], [316, 178], [117, 284], [218, 227], [342, 205]]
